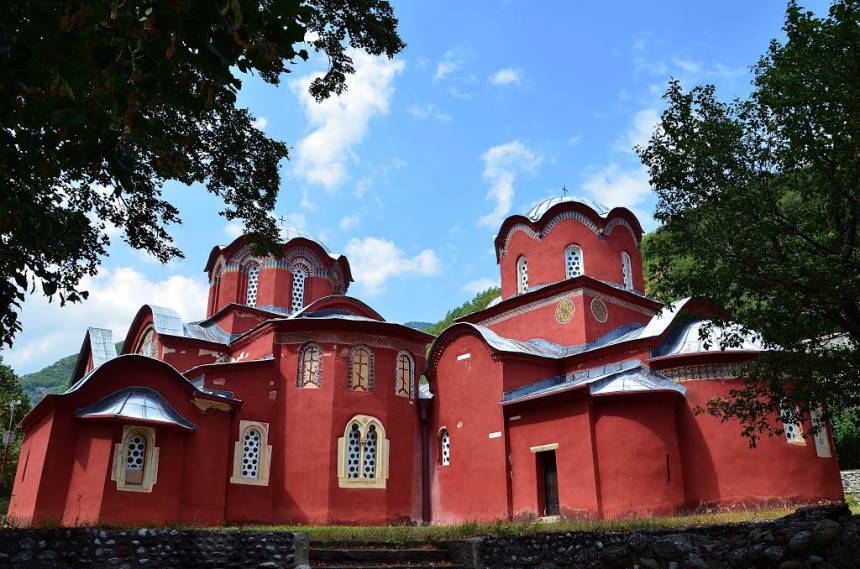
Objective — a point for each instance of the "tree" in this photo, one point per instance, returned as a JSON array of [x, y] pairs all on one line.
[[760, 204], [10, 392], [478, 302], [103, 101]]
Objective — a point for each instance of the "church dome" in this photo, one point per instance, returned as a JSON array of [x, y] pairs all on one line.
[[537, 211], [289, 232]]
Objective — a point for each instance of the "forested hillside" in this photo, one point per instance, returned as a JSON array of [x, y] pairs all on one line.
[[52, 379]]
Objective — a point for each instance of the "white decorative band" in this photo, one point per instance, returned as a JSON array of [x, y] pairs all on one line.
[[705, 371]]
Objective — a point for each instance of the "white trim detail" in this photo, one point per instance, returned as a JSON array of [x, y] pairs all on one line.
[[495, 435], [544, 448], [465, 356]]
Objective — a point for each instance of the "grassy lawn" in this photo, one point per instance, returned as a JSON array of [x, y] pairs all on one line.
[[404, 533]]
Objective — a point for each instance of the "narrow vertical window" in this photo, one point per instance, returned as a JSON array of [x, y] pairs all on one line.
[[134, 459], [822, 442], [792, 431], [251, 454], [253, 281], [404, 385], [353, 460], [522, 275], [444, 447], [369, 460], [626, 273], [573, 261], [149, 345], [360, 369], [310, 366], [299, 276]]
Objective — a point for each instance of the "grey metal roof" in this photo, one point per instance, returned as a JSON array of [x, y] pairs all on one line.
[[209, 332], [136, 403], [536, 212], [102, 345], [692, 338], [166, 321], [424, 391], [290, 232], [622, 377]]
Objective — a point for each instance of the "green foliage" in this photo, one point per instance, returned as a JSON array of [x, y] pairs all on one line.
[[418, 325], [103, 101], [10, 391], [760, 203], [52, 379], [479, 302], [846, 437]]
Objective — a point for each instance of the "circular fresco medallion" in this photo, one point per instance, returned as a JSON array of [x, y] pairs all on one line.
[[564, 311], [599, 310]]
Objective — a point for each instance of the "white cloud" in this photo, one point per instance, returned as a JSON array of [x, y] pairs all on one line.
[[644, 123], [306, 202], [616, 187], [349, 221], [341, 122], [233, 230], [429, 111], [480, 285], [361, 187], [374, 261], [453, 60], [260, 123], [506, 77], [501, 165], [116, 295]]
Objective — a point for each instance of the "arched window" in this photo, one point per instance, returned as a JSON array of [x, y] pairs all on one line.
[[310, 366], [135, 460], [252, 456], [444, 447], [299, 276], [522, 275], [626, 271], [360, 369], [363, 454], [149, 345], [573, 263], [404, 383], [253, 281]]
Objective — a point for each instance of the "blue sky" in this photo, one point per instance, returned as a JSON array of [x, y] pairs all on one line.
[[494, 106]]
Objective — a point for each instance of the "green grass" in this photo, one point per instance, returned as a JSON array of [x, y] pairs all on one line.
[[406, 533]]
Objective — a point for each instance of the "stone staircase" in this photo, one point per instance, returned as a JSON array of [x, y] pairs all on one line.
[[345, 555]]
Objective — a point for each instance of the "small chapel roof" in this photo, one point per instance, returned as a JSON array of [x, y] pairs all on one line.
[[135, 403], [536, 212]]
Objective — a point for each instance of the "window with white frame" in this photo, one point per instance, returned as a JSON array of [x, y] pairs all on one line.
[[135, 460], [522, 275], [299, 276], [822, 441], [573, 262], [253, 282], [252, 457], [310, 366], [360, 369], [404, 384], [792, 429], [626, 272], [362, 460], [444, 447]]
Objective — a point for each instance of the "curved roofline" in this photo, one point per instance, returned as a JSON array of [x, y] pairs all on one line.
[[107, 368], [319, 304], [319, 248], [539, 225]]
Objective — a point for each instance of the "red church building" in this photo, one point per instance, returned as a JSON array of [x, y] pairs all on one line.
[[571, 394]]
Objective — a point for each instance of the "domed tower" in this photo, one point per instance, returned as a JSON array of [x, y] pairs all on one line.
[[304, 271], [565, 237]]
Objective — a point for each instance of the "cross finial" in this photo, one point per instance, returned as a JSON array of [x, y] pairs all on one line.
[[564, 190], [282, 220]]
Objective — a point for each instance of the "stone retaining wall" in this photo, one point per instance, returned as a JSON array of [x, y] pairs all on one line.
[[851, 482], [127, 549], [826, 537]]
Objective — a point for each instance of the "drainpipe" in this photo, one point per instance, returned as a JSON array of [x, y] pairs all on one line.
[[423, 405]]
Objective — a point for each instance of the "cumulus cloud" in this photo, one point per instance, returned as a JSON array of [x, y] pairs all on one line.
[[506, 77], [341, 122], [233, 230], [480, 285], [453, 60], [644, 123], [374, 261], [349, 221], [501, 165], [429, 111], [617, 186], [260, 123], [51, 332]]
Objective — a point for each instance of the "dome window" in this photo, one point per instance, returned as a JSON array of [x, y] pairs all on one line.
[[522, 275], [573, 261]]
